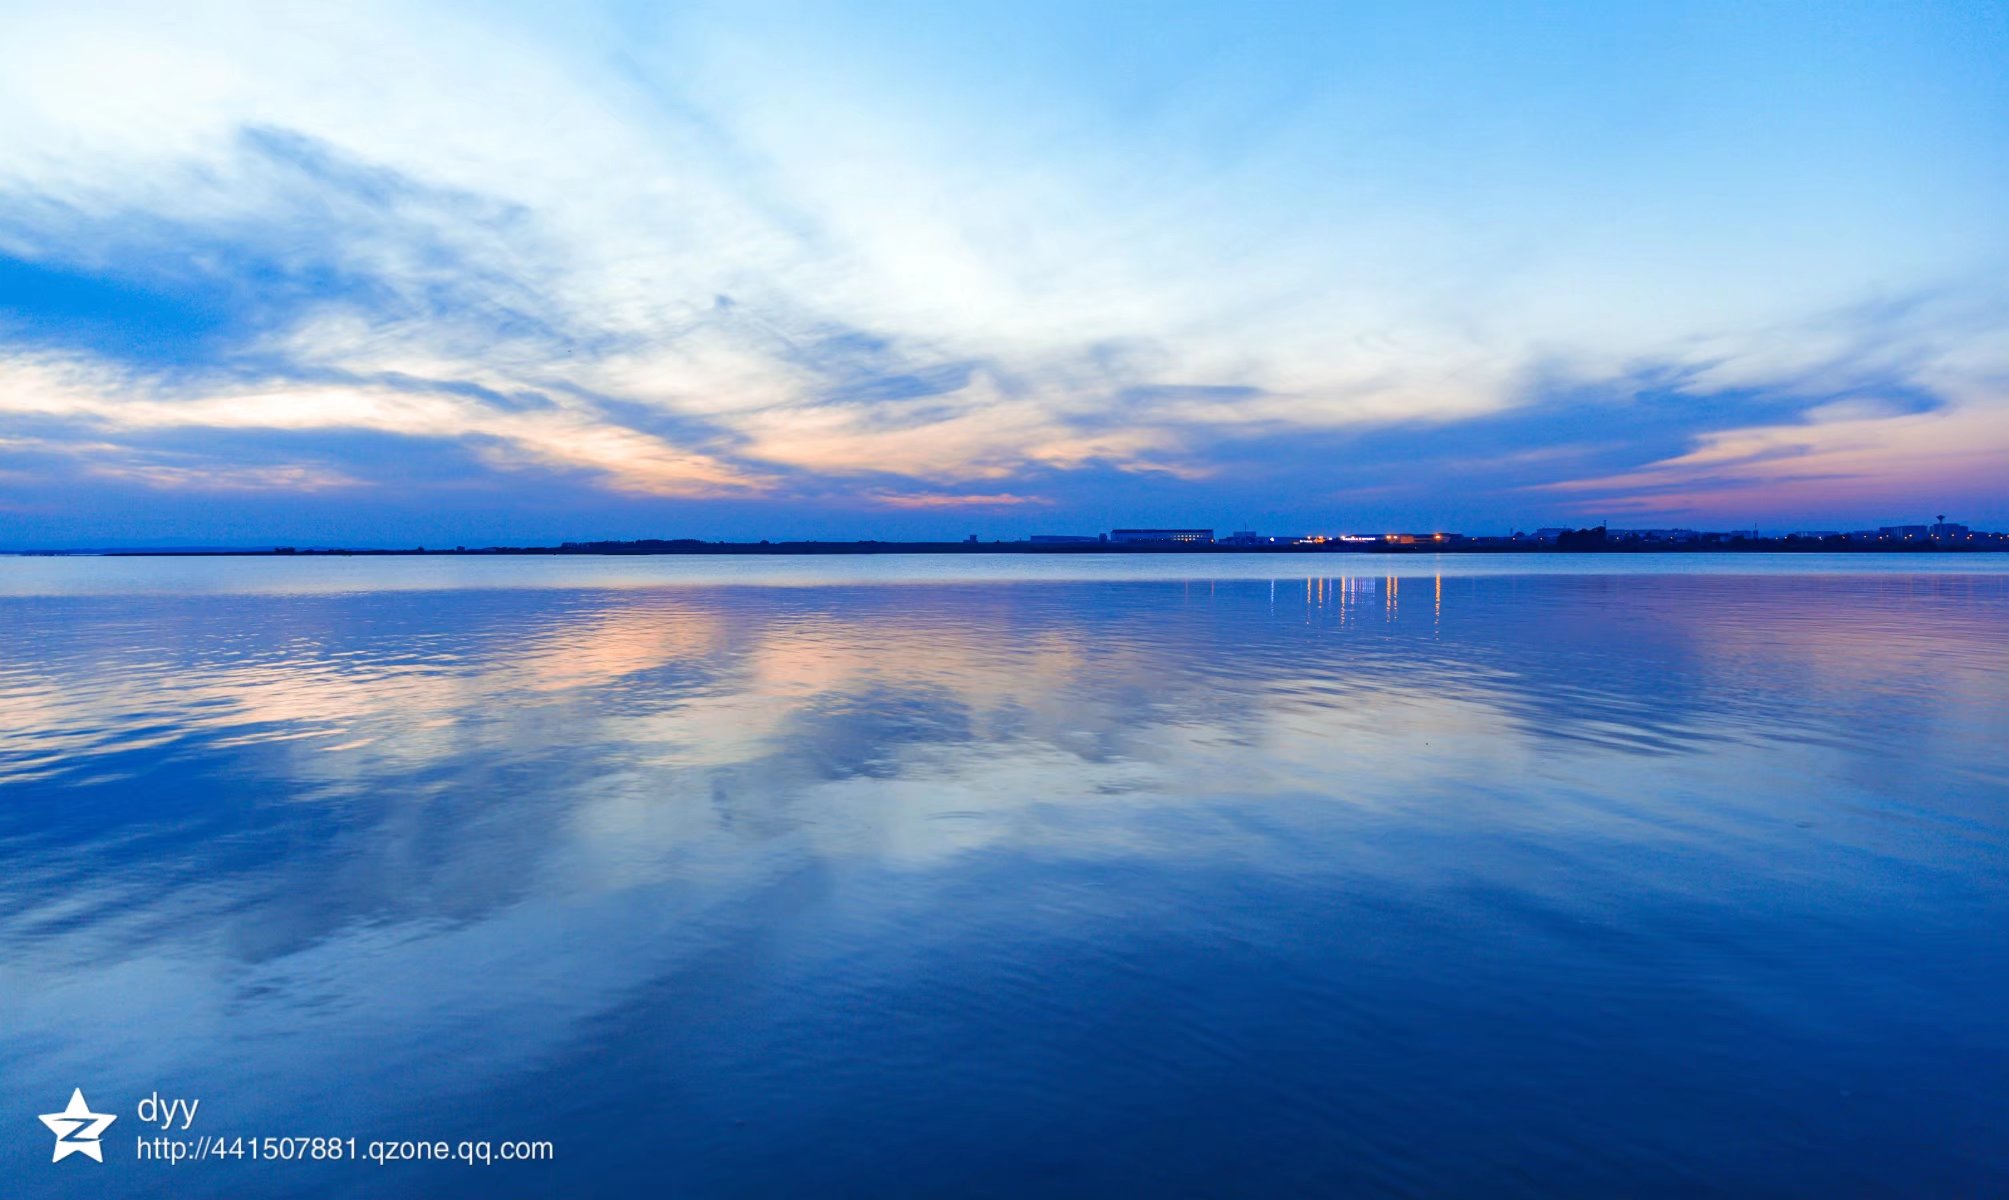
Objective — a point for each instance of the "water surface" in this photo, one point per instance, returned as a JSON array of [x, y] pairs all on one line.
[[1662, 876]]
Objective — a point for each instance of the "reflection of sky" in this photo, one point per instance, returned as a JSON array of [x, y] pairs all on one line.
[[314, 856], [416, 274]]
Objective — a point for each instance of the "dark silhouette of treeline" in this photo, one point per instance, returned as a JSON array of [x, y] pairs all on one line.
[[1593, 540]]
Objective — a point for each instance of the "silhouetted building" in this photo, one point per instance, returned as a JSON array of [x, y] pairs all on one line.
[[1058, 539], [1654, 535], [1200, 536]]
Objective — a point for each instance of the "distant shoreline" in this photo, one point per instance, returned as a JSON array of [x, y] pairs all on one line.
[[815, 548]]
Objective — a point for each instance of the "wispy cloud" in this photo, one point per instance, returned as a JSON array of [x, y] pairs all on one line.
[[944, 500], [637, 260]]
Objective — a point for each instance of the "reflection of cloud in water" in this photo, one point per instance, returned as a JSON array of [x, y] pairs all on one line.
[[354, 814]]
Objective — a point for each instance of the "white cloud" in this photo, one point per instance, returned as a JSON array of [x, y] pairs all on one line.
[[608, 182]]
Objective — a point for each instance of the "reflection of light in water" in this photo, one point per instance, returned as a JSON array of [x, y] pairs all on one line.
[[673, 689], [648, 760]]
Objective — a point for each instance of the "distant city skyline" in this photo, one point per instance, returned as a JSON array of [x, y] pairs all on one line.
[[1939, 534], [451, 274]]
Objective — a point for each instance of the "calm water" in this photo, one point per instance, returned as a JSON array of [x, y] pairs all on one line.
[[995, 878]]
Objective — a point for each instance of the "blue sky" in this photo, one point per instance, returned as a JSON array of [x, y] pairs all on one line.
[[444, 274]]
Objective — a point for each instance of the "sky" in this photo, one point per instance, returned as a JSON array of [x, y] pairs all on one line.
[[420, 273]]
